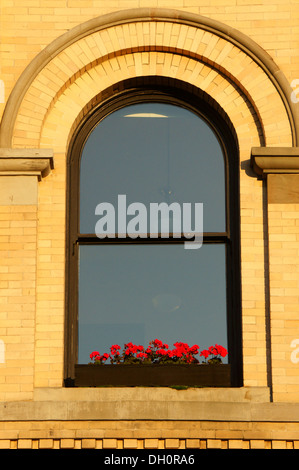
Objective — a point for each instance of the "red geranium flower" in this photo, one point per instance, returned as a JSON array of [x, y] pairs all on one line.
[[142, 355], [158, 352], [218, 350], [205, 353], [94, 354], [194, 349], [161, 352]]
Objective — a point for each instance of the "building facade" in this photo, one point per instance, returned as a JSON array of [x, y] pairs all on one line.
[[65, 65]]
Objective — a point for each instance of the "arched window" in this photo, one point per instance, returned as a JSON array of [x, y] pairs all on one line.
[[150, 241]]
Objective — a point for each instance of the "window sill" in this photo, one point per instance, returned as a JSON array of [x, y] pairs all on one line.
[[148, 403]]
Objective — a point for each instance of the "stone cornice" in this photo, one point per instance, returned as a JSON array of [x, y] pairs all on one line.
[[266, 160], [26, 161]]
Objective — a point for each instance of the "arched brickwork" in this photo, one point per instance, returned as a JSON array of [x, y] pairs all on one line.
[[84, 62]]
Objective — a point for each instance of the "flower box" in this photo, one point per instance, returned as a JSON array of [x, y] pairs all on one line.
[[153, 375]]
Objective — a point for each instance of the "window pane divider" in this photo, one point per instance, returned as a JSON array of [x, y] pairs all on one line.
[[221, 237]]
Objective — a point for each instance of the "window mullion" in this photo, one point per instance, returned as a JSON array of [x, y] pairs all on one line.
[[221, 237]]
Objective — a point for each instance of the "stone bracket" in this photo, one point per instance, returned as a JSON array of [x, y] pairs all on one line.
[[25, 161], [266, 160]]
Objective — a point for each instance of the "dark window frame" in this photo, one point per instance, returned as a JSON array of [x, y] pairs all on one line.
[[219, 122]]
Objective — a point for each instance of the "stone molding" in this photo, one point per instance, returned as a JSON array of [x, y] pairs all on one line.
[[26, 161], [190, 405], [266, 160]]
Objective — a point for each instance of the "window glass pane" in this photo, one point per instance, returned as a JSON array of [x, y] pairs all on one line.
[[153, 153], [142, 292]]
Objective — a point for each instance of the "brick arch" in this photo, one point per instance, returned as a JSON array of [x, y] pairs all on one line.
[[150, 62], [160, 85], [78, 66], [82, 94]]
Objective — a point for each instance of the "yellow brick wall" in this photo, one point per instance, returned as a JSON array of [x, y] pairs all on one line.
[[26, 30], [18, 303], [32, 237], [284, 297], [50, 283]]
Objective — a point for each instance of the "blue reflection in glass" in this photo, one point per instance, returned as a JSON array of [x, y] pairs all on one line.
[[141, 292], [153, 152]]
